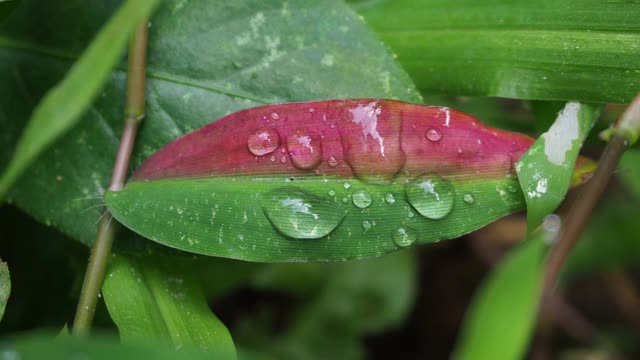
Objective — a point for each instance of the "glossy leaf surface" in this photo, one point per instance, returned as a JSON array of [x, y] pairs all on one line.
[[258, 52], [161, 298], [385, 175], [543, 49]]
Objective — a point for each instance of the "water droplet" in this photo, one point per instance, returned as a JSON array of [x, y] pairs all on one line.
[[332, 193], [389, 198], [347, 185], [333, 161], [431, 195], [551, 224], [263, 141], [366, 224], [300, 214], [275, 116], [468, 198], [404, 236], [433, 134], [305, 150], [459, 150], [361, 199], [283, 159]]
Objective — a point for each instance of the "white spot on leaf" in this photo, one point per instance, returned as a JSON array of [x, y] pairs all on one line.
[[559, 139]]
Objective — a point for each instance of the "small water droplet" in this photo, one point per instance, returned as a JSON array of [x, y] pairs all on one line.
[[361, 199], [389, 198], [332, 193], [275, 116], [404, 237], [300, 214], [366, 224], [431, 195], [263, 141], [347, 185], [272, 158], [333, 161], [433, 134], [305, 150], [468, 198], [459, 150], [283, 159]]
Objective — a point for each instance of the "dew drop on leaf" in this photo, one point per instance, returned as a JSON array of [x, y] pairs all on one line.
[[431, 195], [333, 161], [468, 198], [366, 224], [361, 199], [404, 236], [305, 150], [389, 198], [263, 141], [433, 134], [300, 214]]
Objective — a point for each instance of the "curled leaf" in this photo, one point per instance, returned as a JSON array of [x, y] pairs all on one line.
[[324, 181]]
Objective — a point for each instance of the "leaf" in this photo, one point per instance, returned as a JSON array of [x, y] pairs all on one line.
[[155, 297], [43, 346], [257, 52], [5, 287], [546, 170], [501, 318], [630, 170], [545, 50], [323, 181], [64, 105]]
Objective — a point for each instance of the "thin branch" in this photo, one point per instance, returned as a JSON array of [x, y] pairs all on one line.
[[134, 113]]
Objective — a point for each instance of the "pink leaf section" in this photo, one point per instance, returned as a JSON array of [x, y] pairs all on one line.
[[374, 140]]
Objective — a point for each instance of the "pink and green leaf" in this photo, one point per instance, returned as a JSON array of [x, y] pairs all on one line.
[[325, 180]]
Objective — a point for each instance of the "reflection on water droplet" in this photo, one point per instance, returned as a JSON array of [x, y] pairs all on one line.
[[347, 185], [283, 159], [263, 141], [332, 193], [468, 198], [366, 224], [333, 161], [433, 134], [272, 158], [305, 150], [361, 199], [389, 198], [275, 116], [404, 236], [300, 214], [431, 195], [459, 150]]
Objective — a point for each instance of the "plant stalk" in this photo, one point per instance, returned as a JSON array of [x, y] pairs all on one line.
[[581, 209], [134, 113]]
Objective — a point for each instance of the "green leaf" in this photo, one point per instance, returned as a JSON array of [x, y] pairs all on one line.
[[64, 105], [545, 171], [545, 49], [156, 297], [258, 52], [501, 318], [5, 287], [629, 170], [37, 346]]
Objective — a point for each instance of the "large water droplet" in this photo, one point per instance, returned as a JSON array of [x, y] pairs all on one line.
[[263, 141], [433, 134], [305, 150], [404, 236], [431, 195], [300, 214], [361, 199]]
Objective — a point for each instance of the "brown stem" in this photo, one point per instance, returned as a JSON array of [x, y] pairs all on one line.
[[134, 112], [581, 210]]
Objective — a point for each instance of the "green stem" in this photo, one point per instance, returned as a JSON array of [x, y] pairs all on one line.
[[134, 112]]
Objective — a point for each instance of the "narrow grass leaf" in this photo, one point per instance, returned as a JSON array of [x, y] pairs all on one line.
[[501, 318], [161, 298], [544, 50], [63, 105], [546, 171], [5, 287]]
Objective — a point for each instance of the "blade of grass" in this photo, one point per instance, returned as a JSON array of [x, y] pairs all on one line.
[[63, 105]]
